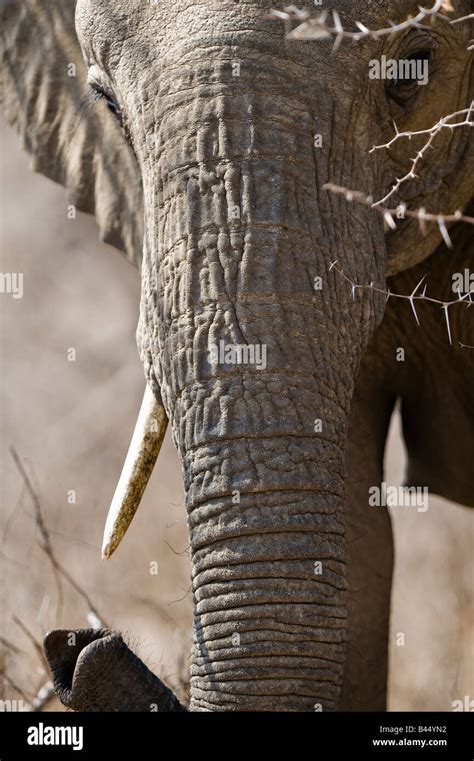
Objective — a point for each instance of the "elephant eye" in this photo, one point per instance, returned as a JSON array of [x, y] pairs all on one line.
[[114, 108], [408, 76]]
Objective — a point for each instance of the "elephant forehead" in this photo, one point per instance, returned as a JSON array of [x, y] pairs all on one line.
[[115, 23], [153, 8], [137, 36]]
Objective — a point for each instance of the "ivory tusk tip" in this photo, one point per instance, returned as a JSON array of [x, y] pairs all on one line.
[[141, 457], [107, 551], [111, 541]]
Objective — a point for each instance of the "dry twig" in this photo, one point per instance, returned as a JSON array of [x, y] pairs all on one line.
[[44, 696], [401, 212], [15, 687], [93, 615], [432, 133], [33, 640], [45, 693], [39, 521], [413, 297], [318, 28], [10, 646]]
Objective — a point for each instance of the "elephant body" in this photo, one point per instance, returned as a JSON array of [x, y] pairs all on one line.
[[210, 174]]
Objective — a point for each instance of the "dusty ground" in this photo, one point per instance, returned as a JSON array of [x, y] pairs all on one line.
[[70, 422]]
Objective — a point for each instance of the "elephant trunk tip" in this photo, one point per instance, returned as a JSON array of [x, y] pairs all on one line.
[[63, 650], [94, 670]]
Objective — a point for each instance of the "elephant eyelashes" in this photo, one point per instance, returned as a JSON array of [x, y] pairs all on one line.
[[99, 94]]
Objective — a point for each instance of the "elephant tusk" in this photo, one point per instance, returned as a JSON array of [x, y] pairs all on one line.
[[141, 457]]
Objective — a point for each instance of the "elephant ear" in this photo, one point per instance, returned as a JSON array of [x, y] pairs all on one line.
[[432, 376], [43, 88]]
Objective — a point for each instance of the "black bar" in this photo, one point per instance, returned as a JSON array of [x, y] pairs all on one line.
[[219, 735]]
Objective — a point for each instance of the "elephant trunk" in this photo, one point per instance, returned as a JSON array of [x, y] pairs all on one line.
[[254, 340], [268, 576]]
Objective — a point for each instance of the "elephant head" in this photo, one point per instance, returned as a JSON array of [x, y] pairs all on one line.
[[205, 160]]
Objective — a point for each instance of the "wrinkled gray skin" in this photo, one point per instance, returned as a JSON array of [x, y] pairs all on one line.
[[204, 142]]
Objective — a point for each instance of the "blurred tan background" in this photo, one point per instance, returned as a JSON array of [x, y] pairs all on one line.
[[71, 423]]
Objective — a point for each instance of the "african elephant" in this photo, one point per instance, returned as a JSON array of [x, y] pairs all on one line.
[[205, 153]]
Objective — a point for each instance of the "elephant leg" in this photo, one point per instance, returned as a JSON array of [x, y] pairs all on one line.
[[370, 554]]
